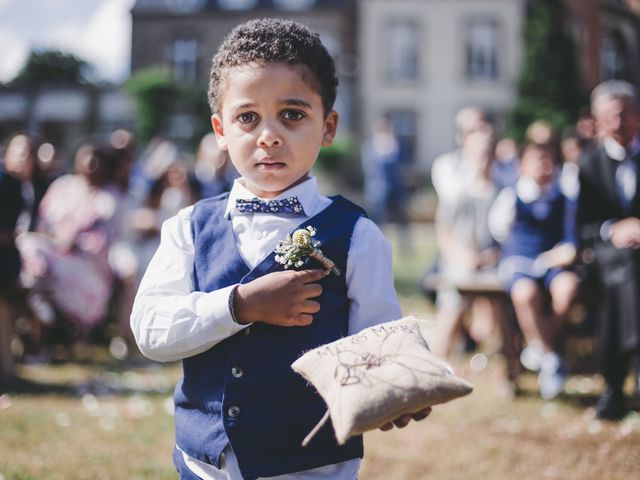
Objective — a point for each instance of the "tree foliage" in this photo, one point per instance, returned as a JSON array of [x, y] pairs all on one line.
[[549, 85], [51, 67], [195, 103], [153, 91]]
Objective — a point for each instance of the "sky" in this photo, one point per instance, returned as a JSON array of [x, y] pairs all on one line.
[[98, 31]]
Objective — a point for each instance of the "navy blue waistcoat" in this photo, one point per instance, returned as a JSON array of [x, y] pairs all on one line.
[[243, 390], [541, 224]]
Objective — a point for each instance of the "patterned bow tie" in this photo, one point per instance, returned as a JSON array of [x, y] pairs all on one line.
[[287, 205]]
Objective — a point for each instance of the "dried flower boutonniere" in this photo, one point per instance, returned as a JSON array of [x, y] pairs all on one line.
[[293, 250]]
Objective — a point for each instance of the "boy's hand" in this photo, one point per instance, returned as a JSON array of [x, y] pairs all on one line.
[[403, 420], [279, 298]]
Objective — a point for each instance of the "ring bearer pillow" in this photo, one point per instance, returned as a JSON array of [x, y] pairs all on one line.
[[373, 377]]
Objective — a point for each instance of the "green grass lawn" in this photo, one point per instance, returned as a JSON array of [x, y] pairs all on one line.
[[98, 418]]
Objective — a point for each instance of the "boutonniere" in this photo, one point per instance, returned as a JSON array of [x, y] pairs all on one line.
[[294, 250]]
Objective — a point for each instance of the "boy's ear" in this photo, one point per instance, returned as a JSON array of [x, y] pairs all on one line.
[[216, 123], [330, 128]]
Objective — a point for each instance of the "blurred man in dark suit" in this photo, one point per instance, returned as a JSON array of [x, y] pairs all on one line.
[[609, 218]]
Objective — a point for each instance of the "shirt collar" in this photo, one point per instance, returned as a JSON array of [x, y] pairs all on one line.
[[617, 151], [529, 191], [307, 193]]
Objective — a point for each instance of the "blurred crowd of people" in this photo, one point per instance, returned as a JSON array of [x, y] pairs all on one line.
[[536, 221], [74, 242], [541, 221]]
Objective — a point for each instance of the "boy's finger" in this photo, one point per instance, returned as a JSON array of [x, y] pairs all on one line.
[[386, 427], [402, 421], [310, 276], [309, 306], [311, 290], [422, 414], [304, 319]]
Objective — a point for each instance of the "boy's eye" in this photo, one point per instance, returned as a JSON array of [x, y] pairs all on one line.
[[292, 115], [246, 117]]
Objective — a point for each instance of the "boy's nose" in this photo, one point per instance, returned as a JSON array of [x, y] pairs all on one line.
[[269, 138]]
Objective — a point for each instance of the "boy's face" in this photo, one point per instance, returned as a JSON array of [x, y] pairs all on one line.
[[537, 164], [273, 125]]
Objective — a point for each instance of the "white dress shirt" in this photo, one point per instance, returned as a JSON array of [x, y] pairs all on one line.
[[446, 176], [626, 172], [171, 321], [625, 175]]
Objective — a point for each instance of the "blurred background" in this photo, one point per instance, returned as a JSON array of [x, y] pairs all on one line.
[[74, 69], [105, 127]]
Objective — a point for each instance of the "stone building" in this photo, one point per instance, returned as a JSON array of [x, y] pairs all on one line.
[[423, 60], [182, 35], [608, 35]]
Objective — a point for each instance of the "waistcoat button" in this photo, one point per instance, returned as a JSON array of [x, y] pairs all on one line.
[[234, 411], [237, 372]]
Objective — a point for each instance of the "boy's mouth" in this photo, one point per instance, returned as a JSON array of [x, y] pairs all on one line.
[[270, 163]]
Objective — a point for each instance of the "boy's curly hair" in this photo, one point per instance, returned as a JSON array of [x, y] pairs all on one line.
[[271, 40]]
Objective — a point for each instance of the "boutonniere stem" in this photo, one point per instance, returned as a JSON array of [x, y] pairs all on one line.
[[296, 248]]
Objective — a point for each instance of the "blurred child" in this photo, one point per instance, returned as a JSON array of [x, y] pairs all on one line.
[[505, 169], [535, 221]]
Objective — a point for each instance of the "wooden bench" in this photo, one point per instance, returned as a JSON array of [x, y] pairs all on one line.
[[492, 288], [578, 331]]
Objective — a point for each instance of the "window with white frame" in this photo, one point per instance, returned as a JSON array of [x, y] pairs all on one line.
[[401, 40], [183, 58], [481, 49]]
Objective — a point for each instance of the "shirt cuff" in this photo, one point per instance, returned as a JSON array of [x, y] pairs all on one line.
[[232, 296], [222, 311], [605, 231]]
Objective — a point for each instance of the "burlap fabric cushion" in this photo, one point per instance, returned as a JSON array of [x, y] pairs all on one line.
[[377, 375]]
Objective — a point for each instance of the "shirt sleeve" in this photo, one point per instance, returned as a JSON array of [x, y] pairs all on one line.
[[369, 278], [169, 320], [441, 177], [502, 214]]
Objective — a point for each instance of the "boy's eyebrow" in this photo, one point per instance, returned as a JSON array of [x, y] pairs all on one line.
[[297, 102], [286, 101], [242, 105]]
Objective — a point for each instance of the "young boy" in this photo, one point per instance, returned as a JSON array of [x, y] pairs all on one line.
[[535, 221], [215, 296]]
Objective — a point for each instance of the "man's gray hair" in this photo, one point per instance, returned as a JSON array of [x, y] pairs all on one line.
[[615, 89]]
